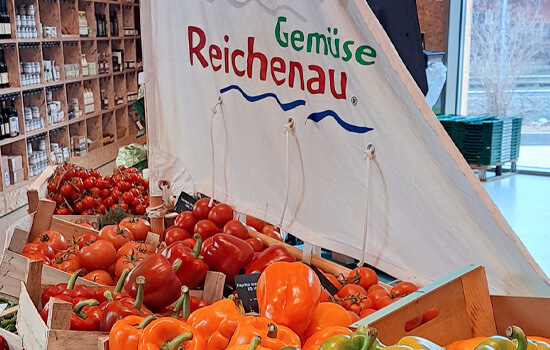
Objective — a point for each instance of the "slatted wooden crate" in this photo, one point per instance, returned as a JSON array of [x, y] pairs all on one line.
[[466, 310]]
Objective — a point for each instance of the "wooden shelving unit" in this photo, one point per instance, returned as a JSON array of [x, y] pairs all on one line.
[[67, 48]]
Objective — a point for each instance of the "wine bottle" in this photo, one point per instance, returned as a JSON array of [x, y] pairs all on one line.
[[14, 120], [6, 20], [4, 81], [2, 131], [5, 120]]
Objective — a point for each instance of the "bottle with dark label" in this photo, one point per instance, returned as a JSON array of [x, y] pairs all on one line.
[[14, 120], [6, 20], [4, 82], [98, 24], [6, 120], [101, 63], [114, 24], [2, 112]]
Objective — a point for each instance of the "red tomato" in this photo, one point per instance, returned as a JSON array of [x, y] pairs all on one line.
[[82, 174], [89, 183], [87, 238], [54, 239], [365, 312], [351, 289], [175, 234], [377, 294], [118, 235], [186, 220], [79, 207], [363, 276], [58, 199], [127, 197], [127, 262], [335, 282], [140, 209], [36, 256], [89, 201], [414, 323], [256, 224], [124, 186], [100, 277], [256, 244], [66, 262], [98, 255], [67, 190], [403, 288], [376, 287], [357, 304], [64, 211], [124, 206], [236, 228], [221, 214], [115, 195], [325, 296], [39, 248], [139, 227], [130, 247], [201, 208], [206, 228], [108, 202], [273, 232], [430, 315], [385, 301], [105, 193]]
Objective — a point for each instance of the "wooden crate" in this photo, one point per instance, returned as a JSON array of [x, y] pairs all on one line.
[[56, 334], [466, 310], [13, 264]]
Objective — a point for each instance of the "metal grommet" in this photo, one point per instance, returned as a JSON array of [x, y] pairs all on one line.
[[291, 123], [164, 183], [370, 151]]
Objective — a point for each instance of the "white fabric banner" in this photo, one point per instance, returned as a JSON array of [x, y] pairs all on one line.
[[330, 66]]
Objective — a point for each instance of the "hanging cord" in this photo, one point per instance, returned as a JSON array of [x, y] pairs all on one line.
[[214, 112], [369, 157], [161, 210], [288, 130]]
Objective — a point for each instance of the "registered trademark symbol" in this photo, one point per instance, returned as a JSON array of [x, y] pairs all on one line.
[[354, 101]]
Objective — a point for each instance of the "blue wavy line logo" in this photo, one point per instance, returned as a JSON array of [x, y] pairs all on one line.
[[284, 106], [317, 117]]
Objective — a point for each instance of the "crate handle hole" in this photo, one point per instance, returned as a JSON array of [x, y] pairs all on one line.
[[422, 319]]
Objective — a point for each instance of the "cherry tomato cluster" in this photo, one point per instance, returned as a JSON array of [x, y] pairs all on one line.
[[82, 192], [103, 256]]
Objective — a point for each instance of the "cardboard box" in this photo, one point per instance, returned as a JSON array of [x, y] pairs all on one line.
[[466, 310], [15, 163], [16, 176], [5, 172]]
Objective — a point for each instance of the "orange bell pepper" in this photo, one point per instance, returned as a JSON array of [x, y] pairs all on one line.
[[326, 315], [545, 340], [288, 293], [168, 333], [207, 319], [125, 333], [466, 344], [316, 340], [254, 345], [240, 329]]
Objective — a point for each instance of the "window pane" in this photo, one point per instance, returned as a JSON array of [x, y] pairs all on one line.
[[509, 70]]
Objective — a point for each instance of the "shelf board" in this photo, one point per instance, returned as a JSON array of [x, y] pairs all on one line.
[[74, 80], [8, 91], [32, 87], [103, 38], [119, 73], [51, 40], [12, 140], [54, 83], [28, 41], [92, 77], [87, 38], [36, 132], [70, 37], [8, 41]]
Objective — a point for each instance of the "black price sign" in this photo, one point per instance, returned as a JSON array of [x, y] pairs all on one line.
[[246, 288], [185, 203], [325, 282]]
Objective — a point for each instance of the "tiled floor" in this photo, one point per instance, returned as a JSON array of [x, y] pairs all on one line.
[[524, 200]]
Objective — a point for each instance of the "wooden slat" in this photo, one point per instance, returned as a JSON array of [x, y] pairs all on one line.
[[14, 341], [213, 286], [42, 218], [38, 189], [103, 343], [9, 311], [153, 239], [528, 313], [71, 340], [19, 238], [157, 224], [323, 264], [59, 314], [31, 327], [33, 277], [454, 321], [69, 229]]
